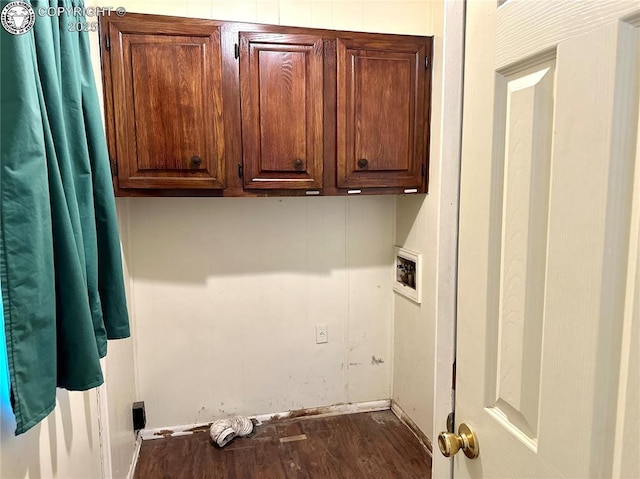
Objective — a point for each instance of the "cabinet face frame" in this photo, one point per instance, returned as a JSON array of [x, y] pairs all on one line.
[[281, 81], [401, 158], [203, 166]]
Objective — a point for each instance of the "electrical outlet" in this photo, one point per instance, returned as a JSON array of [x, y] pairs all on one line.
[[321, 334]]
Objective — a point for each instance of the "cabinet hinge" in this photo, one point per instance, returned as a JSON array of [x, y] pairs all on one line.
[[240, 170], [107, 43], [236, 51], [422, 169], [426, 63], [114, 169]]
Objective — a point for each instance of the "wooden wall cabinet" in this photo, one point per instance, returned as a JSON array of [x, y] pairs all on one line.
[[204, 107], [281, 91], [381, 112], [166, 103]]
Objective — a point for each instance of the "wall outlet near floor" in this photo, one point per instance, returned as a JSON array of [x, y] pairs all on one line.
[[321, 334]]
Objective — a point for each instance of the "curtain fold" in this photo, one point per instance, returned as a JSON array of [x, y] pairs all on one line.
[[62, 282]]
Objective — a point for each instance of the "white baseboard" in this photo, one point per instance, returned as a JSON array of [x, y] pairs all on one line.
[[325, 411], [413, 427], [134, 459]]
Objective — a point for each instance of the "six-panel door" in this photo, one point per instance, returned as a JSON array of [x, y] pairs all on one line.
[[167, 101], [382, 113], [282, 100]]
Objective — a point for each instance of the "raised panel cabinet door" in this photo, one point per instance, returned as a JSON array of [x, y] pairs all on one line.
[[281, 87], [383, 92], [167, 102]]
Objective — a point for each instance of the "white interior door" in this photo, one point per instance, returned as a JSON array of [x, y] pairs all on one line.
[[547, 349]]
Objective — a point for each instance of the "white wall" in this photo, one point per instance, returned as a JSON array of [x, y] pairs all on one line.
[[382, 16], [227, 293], [65, 445], [120, 393], [414, 326]]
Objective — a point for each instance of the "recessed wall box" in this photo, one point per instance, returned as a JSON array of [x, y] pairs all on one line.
[[408, 274]]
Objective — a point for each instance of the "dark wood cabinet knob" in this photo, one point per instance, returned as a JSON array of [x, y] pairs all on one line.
[[363, 163], [298, 164], [196, 161]]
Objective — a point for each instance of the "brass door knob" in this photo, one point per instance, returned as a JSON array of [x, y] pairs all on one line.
[[196, 161], [298, 164], [450, 443], [363, 163]]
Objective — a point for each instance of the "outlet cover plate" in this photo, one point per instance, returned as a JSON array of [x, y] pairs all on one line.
[[321, 334]]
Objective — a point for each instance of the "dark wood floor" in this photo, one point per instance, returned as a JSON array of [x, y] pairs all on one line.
[[368, 445]]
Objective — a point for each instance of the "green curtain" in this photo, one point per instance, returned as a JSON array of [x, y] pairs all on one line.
[[62, 284]]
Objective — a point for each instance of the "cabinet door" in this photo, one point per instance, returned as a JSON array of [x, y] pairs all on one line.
[[167, 102], [382, 112], [281, 99]]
